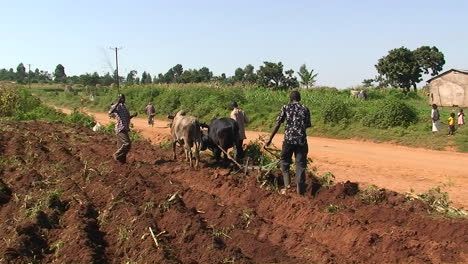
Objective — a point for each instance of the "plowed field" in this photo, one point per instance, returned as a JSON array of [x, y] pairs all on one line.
[[64, 200]]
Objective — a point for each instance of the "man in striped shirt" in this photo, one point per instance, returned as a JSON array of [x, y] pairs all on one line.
[[122, 128]]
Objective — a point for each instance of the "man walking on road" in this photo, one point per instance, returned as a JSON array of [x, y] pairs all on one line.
[[151, 112], [122, 128], [297, 117]]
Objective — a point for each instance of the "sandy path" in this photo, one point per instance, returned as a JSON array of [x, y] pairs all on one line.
[[391, 166]]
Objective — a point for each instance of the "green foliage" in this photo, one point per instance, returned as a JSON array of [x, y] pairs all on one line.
[[429, 58], [336, 111], [9, 99], [110, 129], [239, 75], [403, 68], [271, 75], [59, 73], [392, 113], [439, 202], [258, 157], [327, 179], [80, 118], [308, 78]]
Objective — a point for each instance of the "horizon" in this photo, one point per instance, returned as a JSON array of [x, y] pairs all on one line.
[[341, 41]]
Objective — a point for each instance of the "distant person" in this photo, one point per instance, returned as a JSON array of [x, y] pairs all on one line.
[[151, 112], [241, 118], [297, 117], [461, 118], [451, 123], [122, 128], [435, 116]]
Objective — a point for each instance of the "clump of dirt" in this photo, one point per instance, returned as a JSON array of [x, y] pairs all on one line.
[[69, 202], [5, 192]]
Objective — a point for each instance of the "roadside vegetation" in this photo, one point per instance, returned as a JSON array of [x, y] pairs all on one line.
[[18, 104]]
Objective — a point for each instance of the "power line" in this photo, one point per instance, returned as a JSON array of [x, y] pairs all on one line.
[[117, 66]]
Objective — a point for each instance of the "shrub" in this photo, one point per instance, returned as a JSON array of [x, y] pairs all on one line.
[[8, 99], [254, 151], [41, 112], [80, 118], [392, 113], [336, 111]]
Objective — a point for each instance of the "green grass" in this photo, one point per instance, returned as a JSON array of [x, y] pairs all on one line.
[[263, 105]]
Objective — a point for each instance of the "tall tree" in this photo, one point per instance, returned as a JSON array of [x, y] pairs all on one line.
[[131, 77], [290, 81], [20, 72], [205, 74], [149, 80], [239, 75], [143, 77], [307, 77], [59, 73], [403, 67], [177, 70], [169, 76], [430, 58], [271, 75], [249, 74], [400, 68]]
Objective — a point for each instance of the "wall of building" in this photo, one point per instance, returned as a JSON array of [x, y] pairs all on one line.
[[450, 89]]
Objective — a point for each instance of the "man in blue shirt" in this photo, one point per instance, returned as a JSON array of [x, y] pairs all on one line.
[[297, 117]]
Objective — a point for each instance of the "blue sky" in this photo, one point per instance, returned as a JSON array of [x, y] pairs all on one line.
[[341, 40]]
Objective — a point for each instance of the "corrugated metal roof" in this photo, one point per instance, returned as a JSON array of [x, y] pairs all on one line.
[[449, 71]]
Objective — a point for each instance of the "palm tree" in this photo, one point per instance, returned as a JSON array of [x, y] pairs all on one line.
[[307, 78]]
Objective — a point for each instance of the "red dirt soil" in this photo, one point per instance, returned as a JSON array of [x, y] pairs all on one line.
[[64, 200]]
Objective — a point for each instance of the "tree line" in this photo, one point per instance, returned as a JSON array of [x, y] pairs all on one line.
[[269, 74], [401, 67]]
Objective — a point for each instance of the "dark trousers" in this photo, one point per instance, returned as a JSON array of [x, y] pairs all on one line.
[[300, 153], [150, 120], [451, 129], [123, 146]]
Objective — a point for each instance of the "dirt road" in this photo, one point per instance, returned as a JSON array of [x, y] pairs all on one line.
[[394, 167]]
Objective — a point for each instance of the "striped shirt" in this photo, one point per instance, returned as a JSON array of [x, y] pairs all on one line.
[[120, 112]]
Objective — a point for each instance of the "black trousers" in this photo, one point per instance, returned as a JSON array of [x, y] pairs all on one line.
[[300, 153]]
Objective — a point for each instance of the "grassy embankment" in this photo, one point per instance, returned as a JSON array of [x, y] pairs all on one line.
[[334, 113], [17, 104]]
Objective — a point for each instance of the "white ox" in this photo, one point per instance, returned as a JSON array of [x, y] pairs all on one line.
[[186, 131]]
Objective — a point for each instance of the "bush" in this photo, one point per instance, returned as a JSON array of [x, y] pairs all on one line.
[[41, 112], [336, 111], [392, 113], [80, 118], [8, 99]]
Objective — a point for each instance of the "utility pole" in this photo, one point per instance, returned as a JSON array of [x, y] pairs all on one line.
[[117, 67], [29, 75]]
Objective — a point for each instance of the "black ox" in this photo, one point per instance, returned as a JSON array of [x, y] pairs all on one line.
[[222, 133]]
